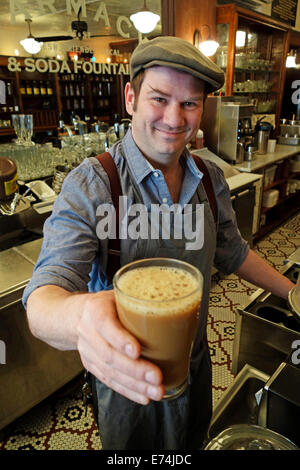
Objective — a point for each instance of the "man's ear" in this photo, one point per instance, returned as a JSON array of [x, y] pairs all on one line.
[[129, 98]]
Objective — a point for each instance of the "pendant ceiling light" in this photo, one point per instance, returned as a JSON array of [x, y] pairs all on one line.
[[291, 60], [30, 44], [144, 20], [207, 47]]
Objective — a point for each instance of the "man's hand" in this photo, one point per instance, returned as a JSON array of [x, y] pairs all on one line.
[[112, 354]]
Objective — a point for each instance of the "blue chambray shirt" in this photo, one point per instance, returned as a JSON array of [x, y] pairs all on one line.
[[72, 256]]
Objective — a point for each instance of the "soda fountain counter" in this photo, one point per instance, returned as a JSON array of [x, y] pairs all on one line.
[[261, 161], [30, 370]]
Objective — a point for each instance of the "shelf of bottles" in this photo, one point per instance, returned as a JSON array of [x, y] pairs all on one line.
[[73, 92], [103, 89], [9, 103], [85, 94], [37, 94]]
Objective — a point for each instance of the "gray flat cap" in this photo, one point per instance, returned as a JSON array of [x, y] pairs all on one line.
[[170, 51]]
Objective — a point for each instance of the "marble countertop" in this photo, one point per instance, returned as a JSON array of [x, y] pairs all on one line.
[[260, 161]]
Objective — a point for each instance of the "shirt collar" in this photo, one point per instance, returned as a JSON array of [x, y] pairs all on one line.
[[140, 166]]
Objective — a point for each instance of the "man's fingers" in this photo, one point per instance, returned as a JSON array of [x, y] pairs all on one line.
[[107, 322], [113, 360], [136, 390]]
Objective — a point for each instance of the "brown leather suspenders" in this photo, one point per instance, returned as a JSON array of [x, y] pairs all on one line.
[[109, 166]]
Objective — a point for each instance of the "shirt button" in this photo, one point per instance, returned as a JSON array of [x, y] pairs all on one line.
[[155, 174], [164, 199]]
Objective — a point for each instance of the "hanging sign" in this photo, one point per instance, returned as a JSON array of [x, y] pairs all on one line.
[[62, 66], [45, 7], [285, 11]]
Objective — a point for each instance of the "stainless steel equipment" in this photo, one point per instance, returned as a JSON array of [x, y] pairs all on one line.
[[266, 353], [289, 132], [250, 437], [262, 134], [32, 370], [226, 125], [238, 404], [279, 408], [265, 329], [256, 400]]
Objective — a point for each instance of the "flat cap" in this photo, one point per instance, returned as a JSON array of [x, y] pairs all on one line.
[[170, 51]]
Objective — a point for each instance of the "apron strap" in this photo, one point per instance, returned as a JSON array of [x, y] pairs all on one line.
[[109, 166], [207, 185]]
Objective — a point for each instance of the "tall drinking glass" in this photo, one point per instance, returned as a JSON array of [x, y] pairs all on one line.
[[28, 128], [158, 301], [16, 122]]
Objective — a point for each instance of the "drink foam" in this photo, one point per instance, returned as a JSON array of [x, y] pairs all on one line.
[[158, 289]]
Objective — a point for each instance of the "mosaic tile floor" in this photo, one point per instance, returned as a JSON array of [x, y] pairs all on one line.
[[60, 422]]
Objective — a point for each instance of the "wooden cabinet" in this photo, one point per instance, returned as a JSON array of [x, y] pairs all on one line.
[[252, 53], [283, 182]]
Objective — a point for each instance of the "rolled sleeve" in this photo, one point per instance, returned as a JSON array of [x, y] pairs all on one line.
[[70, 243], [231, 249]]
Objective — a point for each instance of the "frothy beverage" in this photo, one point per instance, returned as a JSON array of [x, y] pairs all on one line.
[[159, 305]]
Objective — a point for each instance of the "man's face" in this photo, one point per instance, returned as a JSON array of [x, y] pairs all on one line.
[[168, 112]]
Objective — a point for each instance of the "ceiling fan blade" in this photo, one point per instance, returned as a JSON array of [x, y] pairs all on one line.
[[54, 38], [103, 35]]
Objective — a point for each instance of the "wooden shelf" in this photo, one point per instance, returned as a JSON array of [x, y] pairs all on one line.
[[279, 202], [288, 211], [10, 131], [275, 183]]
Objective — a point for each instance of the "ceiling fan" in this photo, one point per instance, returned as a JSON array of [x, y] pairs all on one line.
[[79, 27]]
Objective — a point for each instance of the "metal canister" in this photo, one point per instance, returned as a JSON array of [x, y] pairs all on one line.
[[263, 130], [8, 179]]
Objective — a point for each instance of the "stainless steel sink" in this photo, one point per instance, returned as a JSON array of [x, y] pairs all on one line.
[[238, 404]]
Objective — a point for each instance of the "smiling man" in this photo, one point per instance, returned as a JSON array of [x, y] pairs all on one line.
[[68, 300]]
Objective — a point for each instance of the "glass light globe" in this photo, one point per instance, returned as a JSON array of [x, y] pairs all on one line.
[[290, 61], [208, 48], [240, 38], [31, 45], [145, 21]]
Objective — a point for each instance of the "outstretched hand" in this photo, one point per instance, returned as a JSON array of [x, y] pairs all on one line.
[[112, 354]]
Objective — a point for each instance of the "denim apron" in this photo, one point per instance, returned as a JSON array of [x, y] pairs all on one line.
[[182, 423]]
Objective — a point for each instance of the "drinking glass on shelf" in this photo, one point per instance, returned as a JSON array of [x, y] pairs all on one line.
[[22, 129], [28, 129], [16, 122]]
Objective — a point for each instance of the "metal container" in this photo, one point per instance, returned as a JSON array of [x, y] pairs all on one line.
[[223, 122], [265, 329], [263, 130], [249, 437], [279, 408], [238, 404]]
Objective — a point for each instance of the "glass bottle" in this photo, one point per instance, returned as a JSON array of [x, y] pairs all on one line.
[[43, 89], [36, 88], [28, 88], [49, 88]]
